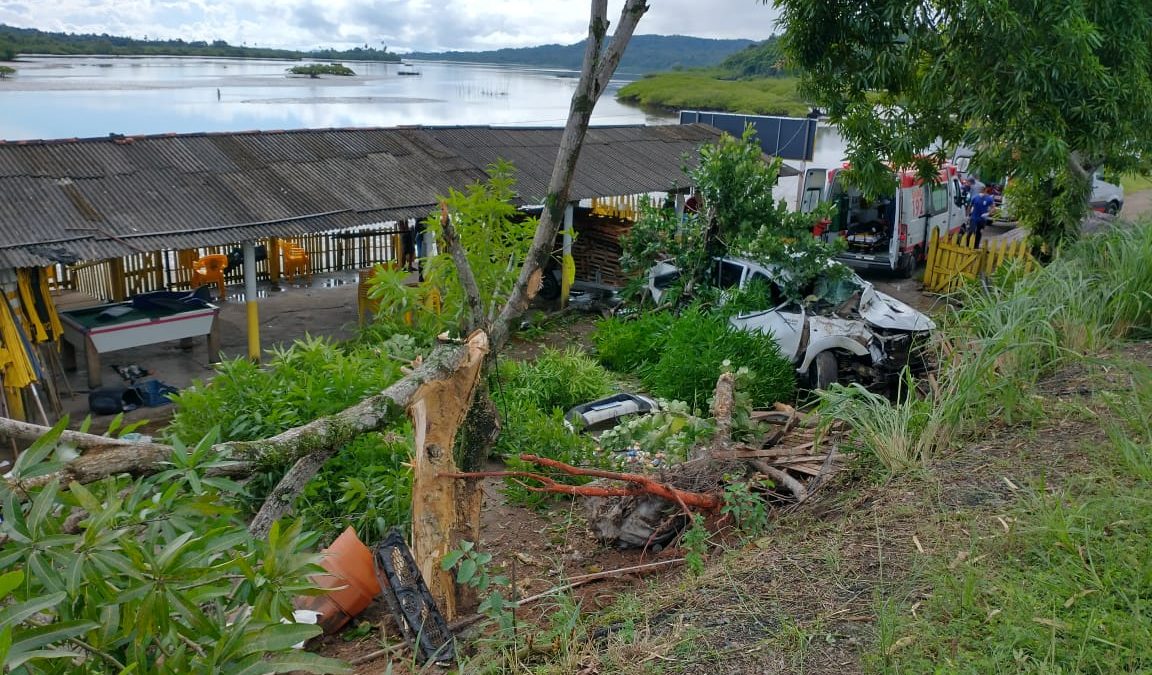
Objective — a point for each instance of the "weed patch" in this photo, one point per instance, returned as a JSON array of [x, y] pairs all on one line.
[[1069, 590], [680, 357]]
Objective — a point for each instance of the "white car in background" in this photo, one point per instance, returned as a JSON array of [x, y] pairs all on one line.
[[1106, 196], [843, 329]]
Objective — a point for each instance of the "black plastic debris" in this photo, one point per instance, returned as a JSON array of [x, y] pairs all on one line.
[[410, 602]]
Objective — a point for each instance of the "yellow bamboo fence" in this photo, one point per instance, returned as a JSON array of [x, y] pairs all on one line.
[[954, 260], [626, 207]]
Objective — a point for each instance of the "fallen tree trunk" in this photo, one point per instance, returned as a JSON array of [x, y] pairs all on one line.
[[444, 510], [112, 457]]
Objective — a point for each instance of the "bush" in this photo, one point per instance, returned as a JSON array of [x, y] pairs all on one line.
[[153, 575], [556, 379], [366, 486], [695, 347], [527, 429], [628, 345], [311, 378]]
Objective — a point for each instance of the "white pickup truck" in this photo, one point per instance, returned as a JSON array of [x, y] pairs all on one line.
[[843, 329]]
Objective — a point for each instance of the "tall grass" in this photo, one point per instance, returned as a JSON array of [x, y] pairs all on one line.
[[902, 435], [1007, 333], [706, 91]]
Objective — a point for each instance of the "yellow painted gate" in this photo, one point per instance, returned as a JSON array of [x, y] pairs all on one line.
[[953, 260]]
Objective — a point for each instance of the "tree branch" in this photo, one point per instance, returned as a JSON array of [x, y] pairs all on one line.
[[26, 431], [594, 76], [279, 501], [722, 402], [334, 431], [464, 273], [630, 16]]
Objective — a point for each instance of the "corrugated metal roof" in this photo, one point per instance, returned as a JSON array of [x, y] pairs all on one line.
[[97, 198], [613, 160]]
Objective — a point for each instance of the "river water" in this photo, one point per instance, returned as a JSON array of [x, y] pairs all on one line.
[[80, 97], [66, 97]]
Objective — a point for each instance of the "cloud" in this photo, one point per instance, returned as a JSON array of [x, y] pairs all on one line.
[[404, 25]]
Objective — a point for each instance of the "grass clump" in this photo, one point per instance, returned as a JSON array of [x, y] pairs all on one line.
[[903, 435], [557, 378], [309, 379], [679, 357], [705, 90], [532, 397], [695, 347], [629, 344]]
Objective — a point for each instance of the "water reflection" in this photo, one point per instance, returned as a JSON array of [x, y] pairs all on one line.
[[84, 96]]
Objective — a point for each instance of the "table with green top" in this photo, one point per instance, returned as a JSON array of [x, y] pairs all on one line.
[[108, 328]]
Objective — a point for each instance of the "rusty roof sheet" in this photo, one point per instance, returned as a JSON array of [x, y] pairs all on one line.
[[91, 199]]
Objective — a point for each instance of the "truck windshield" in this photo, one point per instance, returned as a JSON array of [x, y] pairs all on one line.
[[833, 290]]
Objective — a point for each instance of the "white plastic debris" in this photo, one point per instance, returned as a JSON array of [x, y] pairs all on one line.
[[303, 616]]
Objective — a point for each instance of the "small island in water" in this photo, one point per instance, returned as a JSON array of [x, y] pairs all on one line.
[[318, 69]]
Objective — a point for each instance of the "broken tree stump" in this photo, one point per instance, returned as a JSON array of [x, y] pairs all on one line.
[[445, 510]]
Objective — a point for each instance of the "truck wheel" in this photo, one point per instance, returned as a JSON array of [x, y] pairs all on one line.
[[1113, 207], [824, 370], [907, 266]]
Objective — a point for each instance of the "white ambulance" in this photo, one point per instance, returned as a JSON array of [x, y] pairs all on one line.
[[890, 232]]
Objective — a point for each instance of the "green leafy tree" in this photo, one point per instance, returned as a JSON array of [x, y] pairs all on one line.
[[738, 215], [153, 575], [5, 71], [494, 234], [1046, 90]]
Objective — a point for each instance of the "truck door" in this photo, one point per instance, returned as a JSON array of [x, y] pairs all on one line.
[[956, 207], [900, 225], [785, 321], [813, 193]]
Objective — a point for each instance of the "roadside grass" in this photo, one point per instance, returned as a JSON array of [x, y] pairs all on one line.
[[1135, 183], [704, 90], [1064, 586], [1005, 335]]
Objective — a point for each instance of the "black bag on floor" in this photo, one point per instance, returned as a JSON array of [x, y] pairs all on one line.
[[112, 400]]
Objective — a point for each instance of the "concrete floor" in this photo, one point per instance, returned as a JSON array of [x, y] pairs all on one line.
[[327, 306]]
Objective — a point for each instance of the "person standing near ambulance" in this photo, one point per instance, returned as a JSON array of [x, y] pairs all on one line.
[[982, 204]]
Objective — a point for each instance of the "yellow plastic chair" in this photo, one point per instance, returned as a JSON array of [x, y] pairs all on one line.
[[209, 269], [296, 262]]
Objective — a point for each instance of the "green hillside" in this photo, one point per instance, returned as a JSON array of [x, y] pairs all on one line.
[[752, 81], [645, 53], [14, 41]]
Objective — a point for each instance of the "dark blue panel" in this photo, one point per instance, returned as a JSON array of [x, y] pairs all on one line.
[[783, 137]]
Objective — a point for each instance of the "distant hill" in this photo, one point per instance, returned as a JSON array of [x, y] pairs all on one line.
[[15, 41], [645, 53], [763, 59]]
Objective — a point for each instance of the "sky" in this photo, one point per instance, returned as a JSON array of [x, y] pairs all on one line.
[[402, 25]]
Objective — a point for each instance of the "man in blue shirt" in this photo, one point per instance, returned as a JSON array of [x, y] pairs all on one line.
[[981, 207]]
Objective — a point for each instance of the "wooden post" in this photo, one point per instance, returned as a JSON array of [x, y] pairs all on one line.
[[274, 260], [444, 510], [214, 340], [92, 360], [117, 280], [250, 301]]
